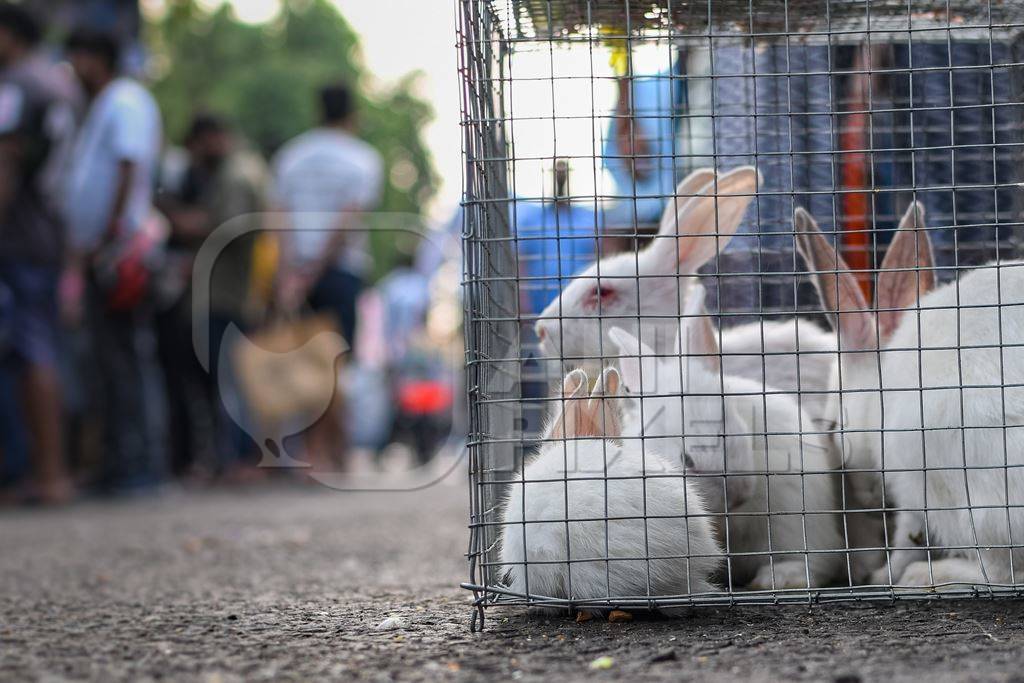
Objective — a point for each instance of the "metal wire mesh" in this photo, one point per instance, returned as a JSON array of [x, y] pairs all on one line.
[[631, 164]]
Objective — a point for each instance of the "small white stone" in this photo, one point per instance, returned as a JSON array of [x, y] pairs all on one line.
[[391, 624]]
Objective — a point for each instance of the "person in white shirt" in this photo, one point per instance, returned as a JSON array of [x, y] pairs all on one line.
[[323, 181], [108, 211], [109, 190]]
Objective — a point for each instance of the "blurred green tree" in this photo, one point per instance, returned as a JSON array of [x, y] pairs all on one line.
[[264, 78]]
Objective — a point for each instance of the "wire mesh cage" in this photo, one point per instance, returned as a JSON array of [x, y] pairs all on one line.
[[743, 315]]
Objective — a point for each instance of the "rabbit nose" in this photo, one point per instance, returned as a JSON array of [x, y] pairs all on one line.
[[542, 334]]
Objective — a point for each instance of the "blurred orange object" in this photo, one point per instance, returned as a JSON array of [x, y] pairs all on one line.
[[853, 140], [424, 397], [266, 258], [125, 268]]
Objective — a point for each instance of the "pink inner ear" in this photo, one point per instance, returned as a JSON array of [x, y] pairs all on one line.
[[603, 294]]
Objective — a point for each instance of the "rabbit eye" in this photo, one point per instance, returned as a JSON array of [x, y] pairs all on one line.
[[688, 461], [826, 425], [602, 294]]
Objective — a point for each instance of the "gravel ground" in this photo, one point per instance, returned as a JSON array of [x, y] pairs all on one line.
[[293, 583]]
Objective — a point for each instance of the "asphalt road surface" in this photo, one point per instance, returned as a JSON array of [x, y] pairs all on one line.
[[295, 583]]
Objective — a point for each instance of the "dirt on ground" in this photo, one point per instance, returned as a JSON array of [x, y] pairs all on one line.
[[305, 583]]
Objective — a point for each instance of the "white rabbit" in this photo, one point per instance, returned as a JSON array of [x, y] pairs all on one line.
[[644, 292], [941, 381], [586, 497], [747, 447]]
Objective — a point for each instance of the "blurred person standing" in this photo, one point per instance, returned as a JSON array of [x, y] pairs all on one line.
[[556, 239], [112, 237], [36, 125], [223, 191], [420, 378], [323, 180]]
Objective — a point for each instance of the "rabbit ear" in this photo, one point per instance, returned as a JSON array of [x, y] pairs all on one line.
[[608, 383], [574, 389], [697, 336], [703, 226], [848, 311], [606, 416], [585, 416], [636, 361], [907, 270], [686, 191]]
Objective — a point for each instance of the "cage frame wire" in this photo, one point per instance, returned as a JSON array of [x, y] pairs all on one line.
[[493, 247]]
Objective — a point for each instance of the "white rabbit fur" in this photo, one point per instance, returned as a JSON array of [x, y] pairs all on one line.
[[904, 388], [644, 292], [677, 529], [726, 424]]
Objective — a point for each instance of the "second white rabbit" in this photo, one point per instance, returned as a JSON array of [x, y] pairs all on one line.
[[773, 485]]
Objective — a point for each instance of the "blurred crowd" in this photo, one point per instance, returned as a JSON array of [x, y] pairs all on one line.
[[136, 278]]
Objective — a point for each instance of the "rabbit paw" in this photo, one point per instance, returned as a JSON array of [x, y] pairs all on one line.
[[948, 571], [880, 577], [791, 574], [896, 566]]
